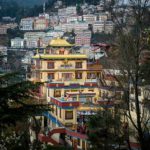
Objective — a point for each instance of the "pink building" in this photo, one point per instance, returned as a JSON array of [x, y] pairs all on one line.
[[83, 38], [41, 23]]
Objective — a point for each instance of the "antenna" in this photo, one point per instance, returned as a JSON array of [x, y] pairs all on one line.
[[44, 8]]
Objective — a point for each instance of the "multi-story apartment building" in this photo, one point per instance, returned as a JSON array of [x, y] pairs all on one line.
[[41, 23], [3, 30], [44, 15], [61, 11], [102, 17], [67, 11], [4, 27], [17, 43], [55, 33], [98, 26], [32, 43], [3, 52], [27, 24], [109, 27], [80, 26], [63, 19], [71, 10], [34, 39], [74, 19], [34, 35], [71, 86], [83, 38], [103, 26], [54, 20], [90, 18], [76, 26]]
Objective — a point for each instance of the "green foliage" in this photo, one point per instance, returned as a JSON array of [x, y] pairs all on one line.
[[16, 101], [17, 105], [49, 147], [105, 130], [145, 72], [102, 38]]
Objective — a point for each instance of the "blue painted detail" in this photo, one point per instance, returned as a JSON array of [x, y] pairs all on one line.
[[52, 118]]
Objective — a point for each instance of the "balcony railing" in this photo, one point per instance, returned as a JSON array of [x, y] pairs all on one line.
[[75, 80]]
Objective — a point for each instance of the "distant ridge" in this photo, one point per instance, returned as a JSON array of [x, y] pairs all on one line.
[[29, 3]]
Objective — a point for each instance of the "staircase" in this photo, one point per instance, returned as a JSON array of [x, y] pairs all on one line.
[[48, 138]]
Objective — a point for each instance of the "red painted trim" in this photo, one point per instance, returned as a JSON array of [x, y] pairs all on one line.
[[64, 103], [76, 134], [134, 145], [106, 102]]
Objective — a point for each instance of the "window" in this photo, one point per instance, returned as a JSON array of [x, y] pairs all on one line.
[[50, 75], [67, 76], [38, 66], [61, 52], [56, 110], [57, 93], [78, 75], [100, 93], [78, 64], [48, 92], [65, 92], [50, 65], [91, 76], [91, 90], [78, 142], [60, 112], [68, 115], [40, 75]]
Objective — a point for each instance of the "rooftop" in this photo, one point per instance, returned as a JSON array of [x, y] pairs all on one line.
[[58, 42], [69, 56]]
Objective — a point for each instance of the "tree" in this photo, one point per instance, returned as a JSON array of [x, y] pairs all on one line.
[[105, 130], [126, 53], [130, 44], [17, 105]]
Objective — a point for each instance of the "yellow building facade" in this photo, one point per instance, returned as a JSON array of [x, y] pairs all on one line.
[[70, 85]]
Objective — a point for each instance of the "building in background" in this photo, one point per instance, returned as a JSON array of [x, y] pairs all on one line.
[[89, 18], [3, 52], [3, 30], [83, 38], [70, 85], [74, 18], [102, 17], [109, 27], [71, 10], [17, 42], [99, 26], [41, 23], [74, 26], [27, 24]]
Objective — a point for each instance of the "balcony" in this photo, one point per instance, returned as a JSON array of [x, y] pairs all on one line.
[[75, 83], [72, 80], [76, 132], [66, 66], [63, 103], [94, 67]]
